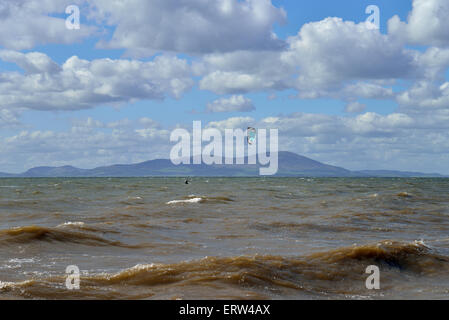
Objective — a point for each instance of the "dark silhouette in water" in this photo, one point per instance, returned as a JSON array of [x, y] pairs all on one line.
[[187, 181]]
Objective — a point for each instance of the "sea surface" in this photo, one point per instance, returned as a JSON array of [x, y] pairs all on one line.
[[224, 238]]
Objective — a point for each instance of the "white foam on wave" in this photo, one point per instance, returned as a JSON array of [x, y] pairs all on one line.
[[421, 243], [24, 260], [77, 224], [193, 200], [16, 263], [11, 285]]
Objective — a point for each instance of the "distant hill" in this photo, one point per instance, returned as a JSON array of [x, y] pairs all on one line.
[[290, 164], [392, 173], [65, 171], [6, 175]]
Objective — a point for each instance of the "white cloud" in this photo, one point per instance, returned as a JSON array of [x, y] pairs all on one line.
[[332, 51], [90, 123], [8, 118], [223, 82], [430, 91], [232, 104], [355, 107], [190, 26], [427, 24], [433, 63], [81, 84], [149, 123], [27, 23], [372, 124], [33, 62], [366, 90], [329, 58], [231, 123], [242, 71], [423, 96]]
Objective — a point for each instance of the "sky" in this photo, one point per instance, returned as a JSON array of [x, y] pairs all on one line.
[[338, 89]]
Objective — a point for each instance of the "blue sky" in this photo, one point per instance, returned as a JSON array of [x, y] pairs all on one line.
[[112, 91]]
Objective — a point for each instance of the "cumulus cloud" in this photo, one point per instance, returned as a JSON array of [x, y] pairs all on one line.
[[187, 26], [81, 84], [231, 123], [427, 24], [366, 90], [430, 91], [423, 96], [328, 58], [190, 26], [8, 118], [90, 123], [235, 103], [332, 51], [31, 63], [148, 123], [433, 64], [27, 23], [243, 72], [355, 107]]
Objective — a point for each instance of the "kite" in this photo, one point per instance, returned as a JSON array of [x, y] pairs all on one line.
[[251, 137]]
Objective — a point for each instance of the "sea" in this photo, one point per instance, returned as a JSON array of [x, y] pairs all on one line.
[[224, 238]]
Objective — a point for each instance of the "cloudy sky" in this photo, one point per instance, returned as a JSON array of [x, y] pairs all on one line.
[[338, 90]]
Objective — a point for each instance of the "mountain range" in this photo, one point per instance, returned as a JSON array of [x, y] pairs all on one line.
[[290, 164]]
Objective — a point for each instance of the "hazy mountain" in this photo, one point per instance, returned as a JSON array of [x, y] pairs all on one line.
[[290, 164], [5, 175], [65, 171], [392, 173]]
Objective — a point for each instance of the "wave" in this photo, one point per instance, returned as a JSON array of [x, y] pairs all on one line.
[[292, 227], [67, 224], [193, 200], [8, 285], [404, 195], [60, 234], [133, 200], [339, 272], [414, 256], [202, 199], [345, 264]]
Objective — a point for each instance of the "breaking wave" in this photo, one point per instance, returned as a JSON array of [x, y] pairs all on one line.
[[201, 199], [60, 234], [340, 271]]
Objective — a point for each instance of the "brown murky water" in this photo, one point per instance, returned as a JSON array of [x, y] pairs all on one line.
[[242, 238]]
